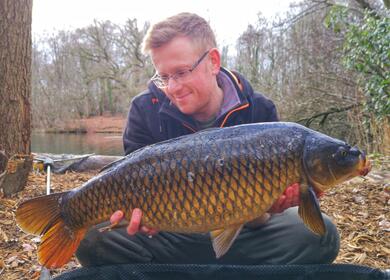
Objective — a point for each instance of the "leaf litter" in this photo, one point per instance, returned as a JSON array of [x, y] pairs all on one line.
[[360, 209]]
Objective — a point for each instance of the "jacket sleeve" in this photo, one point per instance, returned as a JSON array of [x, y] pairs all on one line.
[[264, 109], [136, 133], [272, 113]]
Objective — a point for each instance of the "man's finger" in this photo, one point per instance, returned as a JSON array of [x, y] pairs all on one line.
[[153, 231], [289, 197], [148, 231], [135, 221], [276, 206], [144, 229], [296, 194], [116, 217], [319, 193]]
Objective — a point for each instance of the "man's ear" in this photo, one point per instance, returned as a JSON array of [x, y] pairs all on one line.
[[215, 60]]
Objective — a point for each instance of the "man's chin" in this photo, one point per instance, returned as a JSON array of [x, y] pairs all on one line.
[[185, 110], [184, 107]]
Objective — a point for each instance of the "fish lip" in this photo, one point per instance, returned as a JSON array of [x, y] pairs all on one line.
[[365, 166]]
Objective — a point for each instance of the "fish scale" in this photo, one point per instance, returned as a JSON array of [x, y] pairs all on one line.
[[212, 181], [215, 206]]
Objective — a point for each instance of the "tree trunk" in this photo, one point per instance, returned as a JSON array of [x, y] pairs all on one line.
[[15, 92]]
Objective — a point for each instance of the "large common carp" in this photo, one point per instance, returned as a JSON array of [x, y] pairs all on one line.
[[211, 181]]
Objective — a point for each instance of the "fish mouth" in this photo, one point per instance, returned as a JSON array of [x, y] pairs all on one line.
[[364, 165]]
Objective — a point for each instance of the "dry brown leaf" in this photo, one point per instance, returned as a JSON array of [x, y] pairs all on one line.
[[3, 236], [360, 258], [386, 250], [28, 248], [7, 222], [14, 264], [354, 247], [385, 225], [11, 259], [358, 199], [36, 239], [362, 237], [8, 202]]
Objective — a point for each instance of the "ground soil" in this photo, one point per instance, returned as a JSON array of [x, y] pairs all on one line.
[[360, 208]]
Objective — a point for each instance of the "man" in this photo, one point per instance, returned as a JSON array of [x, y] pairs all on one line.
[[190, 92]]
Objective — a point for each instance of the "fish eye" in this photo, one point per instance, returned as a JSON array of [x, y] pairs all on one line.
[[341, 153]]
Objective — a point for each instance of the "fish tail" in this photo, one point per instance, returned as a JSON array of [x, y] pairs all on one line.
[[42, 216]]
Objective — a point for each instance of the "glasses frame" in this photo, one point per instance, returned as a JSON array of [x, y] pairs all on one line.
[[162, 83]]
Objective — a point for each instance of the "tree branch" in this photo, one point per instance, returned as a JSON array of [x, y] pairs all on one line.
[[325, 115]]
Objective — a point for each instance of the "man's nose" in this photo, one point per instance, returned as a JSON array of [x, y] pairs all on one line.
[[173, 85]]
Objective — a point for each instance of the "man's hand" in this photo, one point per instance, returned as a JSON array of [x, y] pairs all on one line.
[[135, 222], [290, 198]]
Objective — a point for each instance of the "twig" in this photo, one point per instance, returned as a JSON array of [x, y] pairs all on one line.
[[325, 115], [3, 174]]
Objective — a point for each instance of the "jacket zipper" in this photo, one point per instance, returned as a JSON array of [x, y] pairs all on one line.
[[224, 120], [189, 127], [232, 111]]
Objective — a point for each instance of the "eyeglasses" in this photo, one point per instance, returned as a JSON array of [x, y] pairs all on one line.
[[180, 76]]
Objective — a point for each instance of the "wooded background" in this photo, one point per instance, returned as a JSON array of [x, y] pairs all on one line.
[[325, 65]]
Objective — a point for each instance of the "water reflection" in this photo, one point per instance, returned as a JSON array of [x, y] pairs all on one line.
[[63, 143]]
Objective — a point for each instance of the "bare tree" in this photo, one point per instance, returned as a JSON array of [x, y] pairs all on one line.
[[15, 91], [90, 71], [298, 65]]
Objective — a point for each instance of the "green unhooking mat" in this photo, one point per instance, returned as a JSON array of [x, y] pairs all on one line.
[[226, 272]]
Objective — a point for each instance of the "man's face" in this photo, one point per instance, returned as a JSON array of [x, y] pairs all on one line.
[[194, 94]]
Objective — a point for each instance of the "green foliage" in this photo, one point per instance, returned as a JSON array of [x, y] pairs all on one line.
[[336, 19], [367, 51]]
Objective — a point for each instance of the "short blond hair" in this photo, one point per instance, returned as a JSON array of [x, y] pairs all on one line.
[[188, 25]]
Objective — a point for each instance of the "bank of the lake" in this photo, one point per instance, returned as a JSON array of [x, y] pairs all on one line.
[[99, 135]]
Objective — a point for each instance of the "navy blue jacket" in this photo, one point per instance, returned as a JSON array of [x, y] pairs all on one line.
[[153, 118]]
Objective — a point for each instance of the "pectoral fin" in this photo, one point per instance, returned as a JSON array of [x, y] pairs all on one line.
[[222, 239], [309, 210]]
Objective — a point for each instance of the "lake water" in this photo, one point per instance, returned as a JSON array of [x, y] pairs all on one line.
[[69, 143]]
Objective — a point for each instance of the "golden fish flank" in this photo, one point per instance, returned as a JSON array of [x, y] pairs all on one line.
[[212, 181]]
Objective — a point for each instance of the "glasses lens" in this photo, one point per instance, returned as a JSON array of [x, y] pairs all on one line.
[[160, 84], [180, 76], [158, 81]]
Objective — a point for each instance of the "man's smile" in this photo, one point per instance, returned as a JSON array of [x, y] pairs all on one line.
[[181, 97]]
